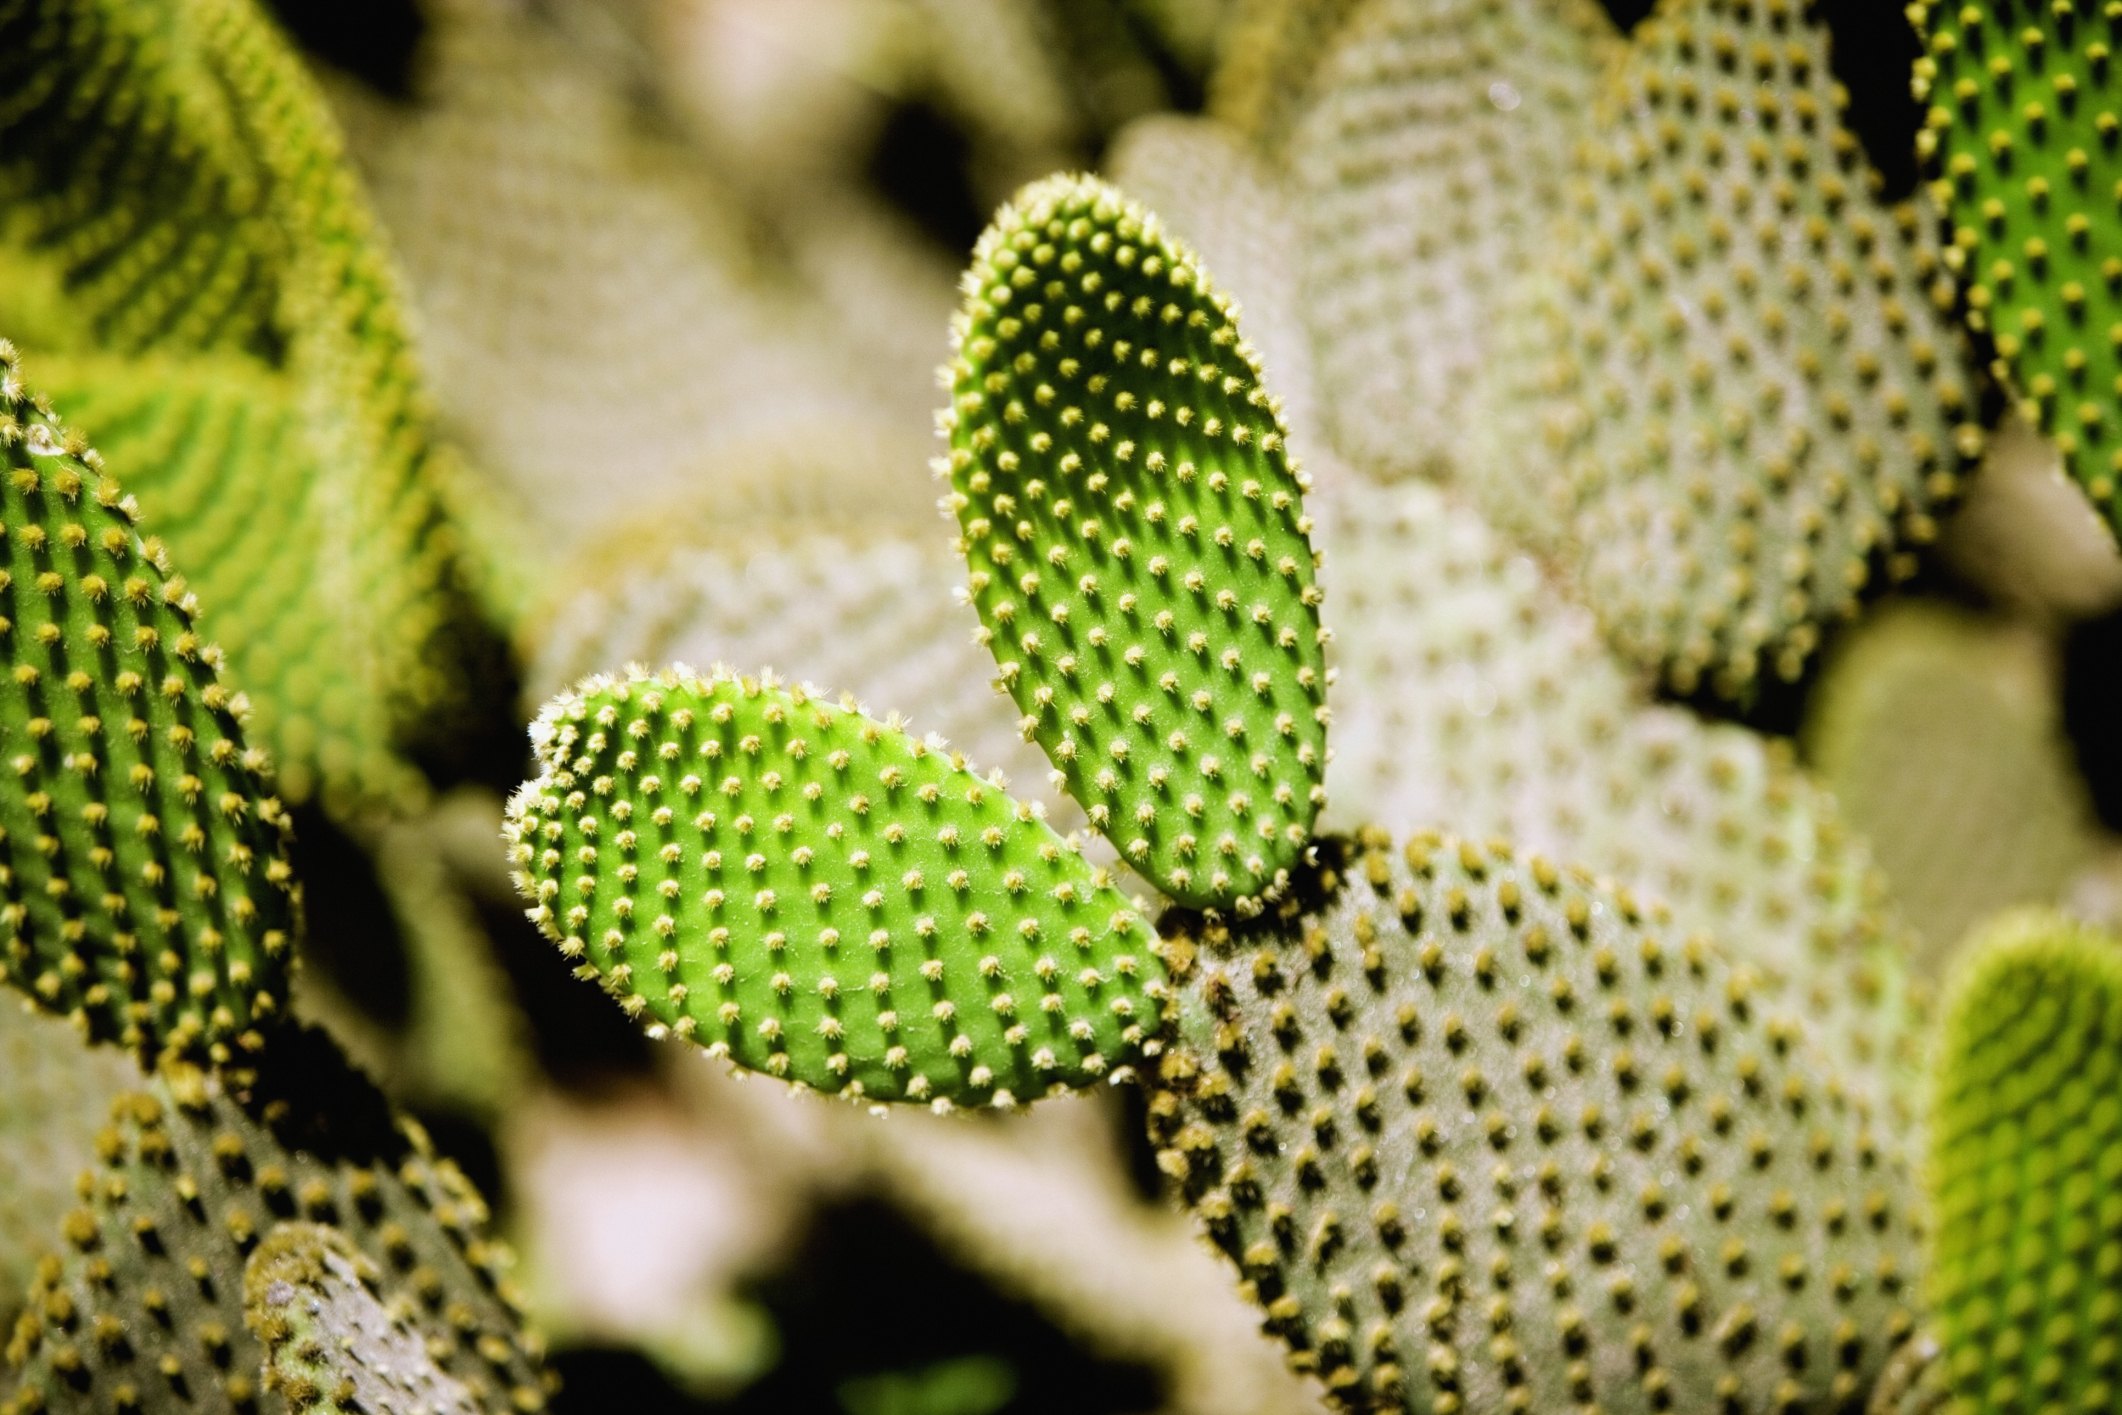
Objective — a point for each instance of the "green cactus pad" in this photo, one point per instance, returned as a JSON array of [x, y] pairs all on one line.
[[823, 897], [1434, 149], [1940, 734], [1270, 58], [2026, 1172], [146, 883], [142, 1306], [2022, 132], [331, 1345], [1471, 691], [1732, 357], [177, 167], [1482, 1136], [1137, 541], [58, 1091]]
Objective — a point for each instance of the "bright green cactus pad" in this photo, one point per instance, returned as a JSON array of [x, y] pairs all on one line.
[[2025, 134], [1940, 734], [331, 1345], [178, 172], [1481, 1135], [141, 1308], [1137, 542], [1470, 690], [1434, 148], [823, 897], [1728, 397], [2026, 1172], [145, 880]]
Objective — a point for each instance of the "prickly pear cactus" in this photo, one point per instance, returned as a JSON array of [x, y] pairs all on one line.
[[1137, 540], [142, 1307], [824, 897], [176, 165], [1470, 691], [145, 879], [1436, 143], [1482, 1135], [2025, 108], [2026, 1171], [1270, 62], [1732, 357], [332, 1346]]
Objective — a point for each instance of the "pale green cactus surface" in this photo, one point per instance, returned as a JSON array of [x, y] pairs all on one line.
[[147, 890], [825, 897], [1137, 541], [332, 1347], [1480, 1134], [2024, 134], [1437, 142], [1728, 397], [141, 1305], [2026, 1172]]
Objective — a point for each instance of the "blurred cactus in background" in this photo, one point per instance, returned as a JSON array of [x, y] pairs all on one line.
[[1420, 696]]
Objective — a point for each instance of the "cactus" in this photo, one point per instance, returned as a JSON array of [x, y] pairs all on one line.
[[1479, 1136], [1917, 685], [2025, 1171], [1733, 355], [182, 175], [1470, 692], [1270, 62], [146, 883], [331, 1345], [50, 1112], [828, 898], [143, 1307], [1142, 567], [1437, 140], [2021, 136]]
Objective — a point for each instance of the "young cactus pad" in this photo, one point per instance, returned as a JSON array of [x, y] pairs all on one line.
[[331, 1345], [1137, 542], [145, 877], [2025, 134], [823, 897], [1481, 1137], [2026, 1172]]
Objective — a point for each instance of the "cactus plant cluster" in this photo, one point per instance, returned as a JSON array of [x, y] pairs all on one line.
[[1379, 532]]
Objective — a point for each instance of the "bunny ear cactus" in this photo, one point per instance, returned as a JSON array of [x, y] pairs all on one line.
[[1732, 355], [1480, 1137], [823, 897], [2024, 133], [1437, 140], [141, 1308], [1137, 543], [1470, 691], [176, 170], [331, 1345], [145, 888], [2026, 1171]]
